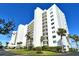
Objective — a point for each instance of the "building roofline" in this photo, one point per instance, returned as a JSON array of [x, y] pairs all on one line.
[[30, 22]]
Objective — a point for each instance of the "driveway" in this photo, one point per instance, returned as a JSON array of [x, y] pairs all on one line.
[[69, 54], [6, 53]]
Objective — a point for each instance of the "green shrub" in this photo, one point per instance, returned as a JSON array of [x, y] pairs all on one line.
[[73, 50], [13, 48], [30, 48], [55, 49], [25, 47], [45, 48], [38, 49], [34, 49], [1, 47]]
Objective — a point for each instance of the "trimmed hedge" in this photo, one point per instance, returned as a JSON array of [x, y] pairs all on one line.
[[1, 47], [30, 48], [73, 50], [55, 49], [46, 48], [38, 49]]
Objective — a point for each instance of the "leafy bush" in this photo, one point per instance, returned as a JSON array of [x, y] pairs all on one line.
[[25, 47], [45, 48], [34, 49], [55, 49], [73, 50], [1, 47], [13, 47], [30, 48], [38, 49]]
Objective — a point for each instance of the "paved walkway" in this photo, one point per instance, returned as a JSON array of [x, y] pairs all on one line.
[[69, 54], [6, 53]]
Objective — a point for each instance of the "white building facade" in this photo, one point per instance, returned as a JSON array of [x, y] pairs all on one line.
[[13, 39], [22, 31], [45, 24]]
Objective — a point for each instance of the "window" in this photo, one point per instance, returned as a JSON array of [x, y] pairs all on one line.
[[42, 19], [46, 29], [53, 27], [46, 33], [43, 34], [54, 36], [52, 23], [53, 31], [50, 9], [46, 25], [45, 19], [52, 19], [43, 30], [51, 16], [43, 26], [54, 41], [44, 13], [46, 37], [45, 42], [45, 22], [51, 12]]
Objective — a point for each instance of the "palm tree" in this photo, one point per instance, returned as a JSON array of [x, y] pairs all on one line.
[[15, 38], [1, 44], [61, 32], [6, 27], [76, 38], [68, 37], [41, 40], [29, 38], [19, 43], [7, 44]]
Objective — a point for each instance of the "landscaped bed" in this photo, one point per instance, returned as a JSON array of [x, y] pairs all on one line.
[[32, 53]]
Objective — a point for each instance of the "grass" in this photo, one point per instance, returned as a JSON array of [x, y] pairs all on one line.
[[32, 53]]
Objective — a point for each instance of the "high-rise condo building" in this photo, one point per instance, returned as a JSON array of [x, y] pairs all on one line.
[[44, 26]]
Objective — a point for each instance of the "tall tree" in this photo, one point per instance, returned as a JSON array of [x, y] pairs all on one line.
[[7, 44], [76, 38], [19, 44], [6, 27], [61, 32], [69, 36], [28, 38], [0, 43], [41, 40]]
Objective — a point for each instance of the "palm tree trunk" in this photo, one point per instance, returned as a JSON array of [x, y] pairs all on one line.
[[62, 44], [71, 45], [15, 39], [68, 41], [76, 45], [31, 43], [41, 44]]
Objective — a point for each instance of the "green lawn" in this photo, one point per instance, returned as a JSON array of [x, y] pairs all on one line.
[[32, 53]]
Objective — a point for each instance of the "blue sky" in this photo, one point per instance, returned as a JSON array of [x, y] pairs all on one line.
[[24, 13]]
